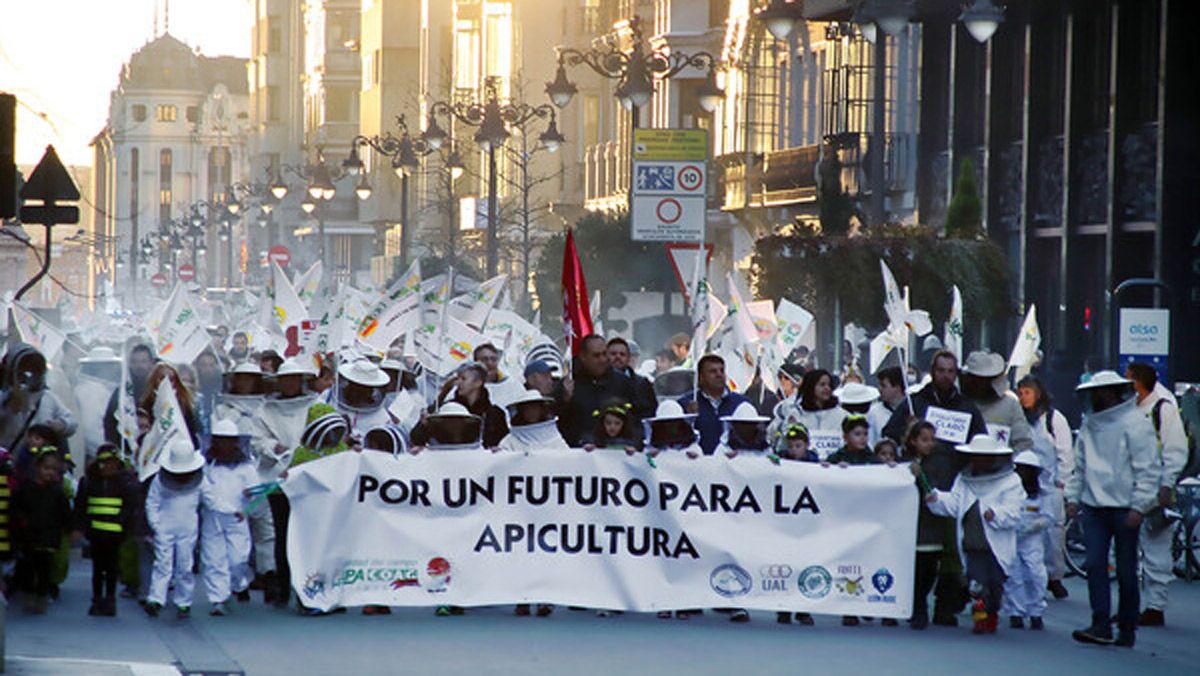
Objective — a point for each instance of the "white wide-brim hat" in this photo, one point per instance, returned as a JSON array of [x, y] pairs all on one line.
[[745, 413], [296, 367], [670, 410], [857, 393], [453, 410], [984, 364], [364, 373], [1103, 379], [530, 397], [982, 444], [181, 457], [1028, 458]]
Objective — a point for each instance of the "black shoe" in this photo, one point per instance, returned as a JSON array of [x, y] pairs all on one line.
[[1125, 639], [783, 618], [243, 596], [1056, 588], [1015, 622], [95, 610], [522, 610], [849, 621], [1093, 635], [544, 610], [739, 615], [919, 622], [1151, 617], [152, 609], [805, 619], [889, 622], [945, 620], [1036, 624]]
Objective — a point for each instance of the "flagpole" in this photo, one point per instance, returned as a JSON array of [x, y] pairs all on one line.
[[699, 268], [437, 403]]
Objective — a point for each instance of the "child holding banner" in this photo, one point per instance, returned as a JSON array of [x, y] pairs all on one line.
[[614, 429], [856, 450], [795, 450], [932, 530], [986, 502]]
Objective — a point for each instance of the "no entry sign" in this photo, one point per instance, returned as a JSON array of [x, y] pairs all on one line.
[[280, 254], [158, 280], [186, 272]]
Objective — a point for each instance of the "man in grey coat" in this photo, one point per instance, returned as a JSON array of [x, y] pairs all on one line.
[[984, 384]]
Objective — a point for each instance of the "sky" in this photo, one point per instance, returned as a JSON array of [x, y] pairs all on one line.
[[62, 58]]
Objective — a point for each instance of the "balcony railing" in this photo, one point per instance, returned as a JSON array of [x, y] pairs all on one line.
[[606, 176]]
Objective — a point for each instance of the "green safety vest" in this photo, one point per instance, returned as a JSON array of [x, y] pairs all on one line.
[[105, 514]]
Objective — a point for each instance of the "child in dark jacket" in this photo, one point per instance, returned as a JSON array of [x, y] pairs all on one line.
[[932, 530], [104, 508], [41, 516], [857, 449], [614, 428]]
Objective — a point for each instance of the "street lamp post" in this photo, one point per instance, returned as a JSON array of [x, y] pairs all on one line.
[[405, 153], [492, 118], [318, 194], [636, 73]]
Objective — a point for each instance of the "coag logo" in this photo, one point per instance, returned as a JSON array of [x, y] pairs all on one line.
[[814, 582], [730, 580]]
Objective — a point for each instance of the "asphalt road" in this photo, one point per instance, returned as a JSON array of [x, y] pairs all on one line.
[[256, 639]]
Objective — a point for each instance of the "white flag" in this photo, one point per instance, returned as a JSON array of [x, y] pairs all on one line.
[[884, 343], [179, 335], [126, 412], [169, 424], [39, 333], [289, 309], [1024, 352], [954, 326], [739, 314], [514, 336], [717, 312], [309, 282], [794, 322], [392, 315], [896, 307], [762, 312], [597, 322], [458, 344], [472, 308]]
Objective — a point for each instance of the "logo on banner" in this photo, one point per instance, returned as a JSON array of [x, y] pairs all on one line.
[[314, 585], [774, 577], [730, 580], [438, 574], [882, 581], [815, 582], [850, 580]]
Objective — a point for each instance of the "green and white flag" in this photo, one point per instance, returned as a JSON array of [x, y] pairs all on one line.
[[41, 334], [168, 424], [954, 326]]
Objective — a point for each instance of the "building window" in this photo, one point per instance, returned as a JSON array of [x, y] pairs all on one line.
[[166, 113], [339, 104], [591, 120], [498, 40], [193, 114], [274, 38], [466, 55], [371, 66], [273, 103], [219, 163], [139, 112], [134, 174]]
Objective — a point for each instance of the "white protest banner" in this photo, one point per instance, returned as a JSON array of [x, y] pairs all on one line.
[[949, 426], [601, 530], [825, 442]]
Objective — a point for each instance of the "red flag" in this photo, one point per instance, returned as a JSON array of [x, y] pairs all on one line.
[[577, 316]]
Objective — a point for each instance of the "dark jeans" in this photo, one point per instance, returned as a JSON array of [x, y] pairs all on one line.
[[984, 569], [34, 571], [280, 512], [1101, 526], [933, 576], [104, 565]]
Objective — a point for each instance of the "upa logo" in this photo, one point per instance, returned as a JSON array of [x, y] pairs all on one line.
[[815, 582], [730, 580], [314, 585], [437, 573]]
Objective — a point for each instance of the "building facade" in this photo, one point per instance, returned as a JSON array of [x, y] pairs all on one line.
[[177, 135]]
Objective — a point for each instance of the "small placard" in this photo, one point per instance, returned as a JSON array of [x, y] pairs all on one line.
[[951, 426]]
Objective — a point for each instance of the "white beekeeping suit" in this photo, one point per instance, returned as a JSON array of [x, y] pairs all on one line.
[[173, 512], [99, 375], [1025, 588], [224, 532]]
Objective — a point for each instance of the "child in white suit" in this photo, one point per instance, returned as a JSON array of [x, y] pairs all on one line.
[[224, 531], [1024, 592], [172, 510], [985, 501]]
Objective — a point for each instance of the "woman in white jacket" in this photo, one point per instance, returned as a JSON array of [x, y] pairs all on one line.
[[815, 407], [986, 502]]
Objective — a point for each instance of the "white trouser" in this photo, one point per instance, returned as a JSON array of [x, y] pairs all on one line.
[[262, 530], [173, 558], [1158, 569], [1025, 588], [1055, 537], [224, 554]]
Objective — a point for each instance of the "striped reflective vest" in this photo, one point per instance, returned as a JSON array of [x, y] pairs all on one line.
[[5, 497], [104, 514]]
